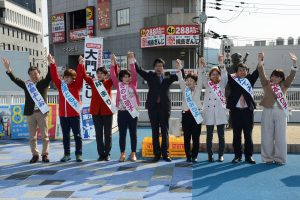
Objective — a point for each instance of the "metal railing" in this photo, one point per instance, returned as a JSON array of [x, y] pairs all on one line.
[[17, 97]]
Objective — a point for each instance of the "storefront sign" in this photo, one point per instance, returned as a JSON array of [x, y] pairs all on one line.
[[153, 37], [58, 28], [186, 35], [78, 34], [90, 20]]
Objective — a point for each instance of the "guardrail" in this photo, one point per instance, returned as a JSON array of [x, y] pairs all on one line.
[[17, 97]]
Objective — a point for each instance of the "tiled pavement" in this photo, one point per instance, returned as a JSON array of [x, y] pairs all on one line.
[[89, 179]]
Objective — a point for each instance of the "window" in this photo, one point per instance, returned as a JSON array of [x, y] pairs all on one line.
[[13, 33], [14, 47], [8, 46], [77, 19], [123, 17], [8, 31]]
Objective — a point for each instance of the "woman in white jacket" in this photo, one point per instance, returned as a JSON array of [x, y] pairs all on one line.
[[214, 105], [191, 116]]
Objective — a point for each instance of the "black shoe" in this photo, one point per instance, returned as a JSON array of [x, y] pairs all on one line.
[[250, 160], [236, 160], [167, 159], [155, 159], [211, 158], [221, 159], [188, 159], [194, 160], [45, 158], [34, 159], [107, 158], [101, 158]]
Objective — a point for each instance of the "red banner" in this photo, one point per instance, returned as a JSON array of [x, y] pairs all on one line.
[[153, 37], [90, 20], [52, 123], [104, 11], [180, 35]]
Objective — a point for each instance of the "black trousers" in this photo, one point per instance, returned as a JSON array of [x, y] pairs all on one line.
[[68, 123], [125, 120], [103, 122], [209, 138], [242, 120], [190, 130], [159, 117]]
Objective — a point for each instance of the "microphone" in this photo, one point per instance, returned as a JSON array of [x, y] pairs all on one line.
[[245, 58]]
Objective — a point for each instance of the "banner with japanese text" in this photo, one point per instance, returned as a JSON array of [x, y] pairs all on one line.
[[186, 35], [90, 20], [58, 28], [19, 127], [93, 49], [4, 120], [87, 124], [104, 14], [153, 37], [52, 121]]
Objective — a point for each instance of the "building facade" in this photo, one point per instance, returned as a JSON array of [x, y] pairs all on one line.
[[21, 29], [149, 28]]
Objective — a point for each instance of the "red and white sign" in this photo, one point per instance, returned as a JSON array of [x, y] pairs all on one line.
[[182, 35], [58, 28], [90, 20], [78, 34], [153, 37], [104, 11]]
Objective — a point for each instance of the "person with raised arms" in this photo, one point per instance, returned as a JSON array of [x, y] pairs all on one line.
[[191, 116], [127, 102], [69, 105], [275, 111], [102, 109], [36, 109], [214, 105]]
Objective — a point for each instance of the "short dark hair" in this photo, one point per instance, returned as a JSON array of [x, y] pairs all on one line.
[[240, 65], [158, 60], [102, 69], [70, 72], [192, 76], [30, 69], [278, 73], [122, 73]]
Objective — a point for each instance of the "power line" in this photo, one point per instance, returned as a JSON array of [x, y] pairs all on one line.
[[254, 7], [270, 4], [247, 11]]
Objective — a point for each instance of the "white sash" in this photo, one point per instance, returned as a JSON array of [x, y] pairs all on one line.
[[244, 83], [192, 105], [280, 97], [69, 97], [104, 95], [124, 96], [218, 92], [36, 97]]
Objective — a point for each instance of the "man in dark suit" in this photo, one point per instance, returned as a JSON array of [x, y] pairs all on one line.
[[159, 106], [241, 105], [35, 116]]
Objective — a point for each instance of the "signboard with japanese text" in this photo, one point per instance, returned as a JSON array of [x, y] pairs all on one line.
[[93, 49], [58, 28], [104, 11], [90, 20], [153, 37], [87, 124], [4, 120], [122, 62], [78, 34], [106, 59], [19, 128], [182, 35]]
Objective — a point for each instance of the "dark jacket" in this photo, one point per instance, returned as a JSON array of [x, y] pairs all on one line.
[[236, 91], [157, 89], [42, 86]]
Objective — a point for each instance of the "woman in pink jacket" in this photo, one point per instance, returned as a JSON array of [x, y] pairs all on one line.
[[127, 102]]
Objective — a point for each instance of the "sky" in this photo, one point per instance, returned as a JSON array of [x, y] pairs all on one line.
[[245, 24], [250, 21]]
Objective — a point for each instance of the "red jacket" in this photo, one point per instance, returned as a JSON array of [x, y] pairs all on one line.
[[98, 107], [65, 109]]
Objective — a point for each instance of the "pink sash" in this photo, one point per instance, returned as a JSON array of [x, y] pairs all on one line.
[[280, 97], [128, 103]]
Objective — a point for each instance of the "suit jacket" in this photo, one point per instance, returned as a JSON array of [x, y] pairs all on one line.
[[42, 86], [157, 89], [269, 97], [236, 91]]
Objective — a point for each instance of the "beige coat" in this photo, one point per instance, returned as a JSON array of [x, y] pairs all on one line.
[[196, 94], [269, 97], [213, 111]]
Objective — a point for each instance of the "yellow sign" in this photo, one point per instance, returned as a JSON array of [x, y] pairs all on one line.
[[171, 30], [89, 14]]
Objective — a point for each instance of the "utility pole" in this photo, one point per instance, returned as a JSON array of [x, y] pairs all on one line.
[[203, 18]]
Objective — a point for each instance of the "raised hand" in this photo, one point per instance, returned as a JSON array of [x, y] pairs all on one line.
[[293, 57], [80, 60], [113, 59], [130, 57], [6, 64], [51, 59], [260, 58], [178, 64], [221, 60], [202, 62]]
